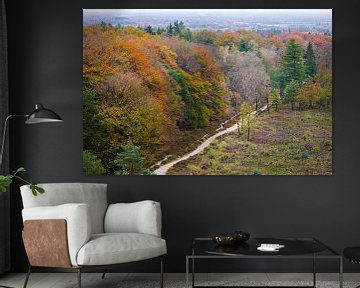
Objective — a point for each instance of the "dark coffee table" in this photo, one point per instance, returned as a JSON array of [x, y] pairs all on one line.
[[295, 248]]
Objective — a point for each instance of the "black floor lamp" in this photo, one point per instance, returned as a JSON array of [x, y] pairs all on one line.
[[39, 115]]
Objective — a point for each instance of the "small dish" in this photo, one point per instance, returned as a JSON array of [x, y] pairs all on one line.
[[225, 239]]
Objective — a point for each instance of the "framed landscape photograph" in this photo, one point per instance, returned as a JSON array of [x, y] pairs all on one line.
[[207, 92]]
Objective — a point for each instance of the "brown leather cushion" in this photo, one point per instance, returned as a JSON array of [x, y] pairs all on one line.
[[46, 243]]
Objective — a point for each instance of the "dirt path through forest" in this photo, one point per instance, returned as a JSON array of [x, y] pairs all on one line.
[[162, 170]]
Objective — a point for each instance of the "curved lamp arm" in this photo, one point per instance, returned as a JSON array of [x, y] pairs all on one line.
[[39, 115], [4, 134]]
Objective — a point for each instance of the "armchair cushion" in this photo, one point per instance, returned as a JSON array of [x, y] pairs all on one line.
[[138, 217], [92, 194], [113, 248], [78, 221]]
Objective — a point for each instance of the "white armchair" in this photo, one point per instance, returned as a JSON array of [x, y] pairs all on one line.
[[72, 228]]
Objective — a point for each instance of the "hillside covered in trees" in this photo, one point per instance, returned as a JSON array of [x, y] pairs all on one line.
[[150, 91]]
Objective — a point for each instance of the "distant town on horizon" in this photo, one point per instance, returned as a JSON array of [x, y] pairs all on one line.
[[258, 20]]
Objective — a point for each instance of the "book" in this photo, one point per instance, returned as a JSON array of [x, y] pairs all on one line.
[[270, 247]]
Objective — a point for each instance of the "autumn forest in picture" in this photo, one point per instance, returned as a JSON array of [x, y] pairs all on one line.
[[207, 92]]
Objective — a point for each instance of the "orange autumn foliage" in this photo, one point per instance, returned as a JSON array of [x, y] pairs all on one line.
[[149, 89]]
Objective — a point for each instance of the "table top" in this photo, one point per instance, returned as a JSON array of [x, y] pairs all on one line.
[[292, 247]]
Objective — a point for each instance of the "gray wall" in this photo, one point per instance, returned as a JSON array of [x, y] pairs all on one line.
[[4, 167], [45, 39]]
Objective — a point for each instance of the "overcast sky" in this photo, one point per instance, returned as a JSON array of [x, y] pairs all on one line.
[[124, 12]]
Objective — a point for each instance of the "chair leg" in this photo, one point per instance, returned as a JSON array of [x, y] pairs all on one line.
[[161, 273], [79, 277], [27, 277], [103, 275]]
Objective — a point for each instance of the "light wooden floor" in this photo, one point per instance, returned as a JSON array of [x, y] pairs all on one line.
[[91, 280]]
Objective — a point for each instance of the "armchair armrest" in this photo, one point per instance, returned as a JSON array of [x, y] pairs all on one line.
[[77, 217], [138, 217]]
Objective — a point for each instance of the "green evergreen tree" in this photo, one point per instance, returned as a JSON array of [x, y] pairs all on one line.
[[310, 61], [92, 164], [160, 31], [130, 161], [149, 30], [290, 92], [178, 27], [170, 30], [104, 25], [293, 62], [244, 46], [278, 81]]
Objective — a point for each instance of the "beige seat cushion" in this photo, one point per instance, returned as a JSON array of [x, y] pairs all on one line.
[[113, 248]]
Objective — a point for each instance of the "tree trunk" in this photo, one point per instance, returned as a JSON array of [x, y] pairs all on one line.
[[239, 128], [292, 105]]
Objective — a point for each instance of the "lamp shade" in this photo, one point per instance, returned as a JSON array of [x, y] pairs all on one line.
[[42, 115]]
